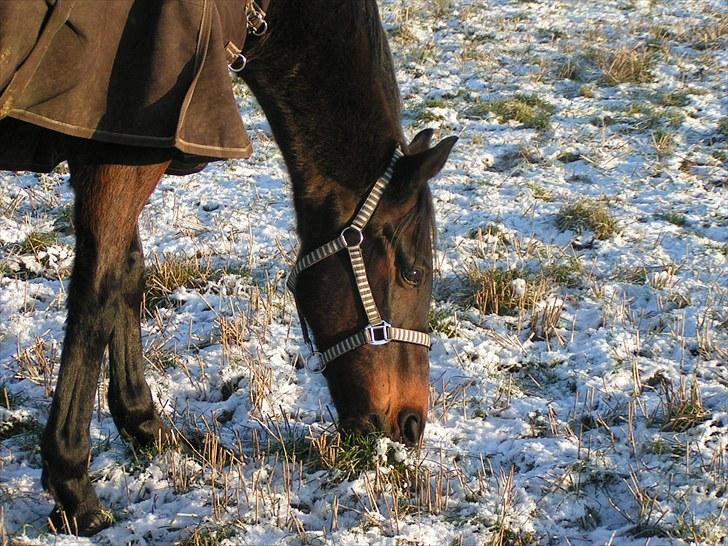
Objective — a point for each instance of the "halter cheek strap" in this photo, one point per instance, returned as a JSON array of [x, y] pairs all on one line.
[[378, 331]]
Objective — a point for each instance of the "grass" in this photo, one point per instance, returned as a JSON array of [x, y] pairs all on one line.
[[9, 400], [36, 363], [663, 142], [644, 116], [587, 215], [571, 69], [683, 406], [502, 291], [723, 127], [36, 242], [528, 110], [568, 272], [540, 193], [674, 218], [444, 322], [625, 65], [675, 98], [586, 91], [171, 273], [344, 456], [29, 427], [208, 535]]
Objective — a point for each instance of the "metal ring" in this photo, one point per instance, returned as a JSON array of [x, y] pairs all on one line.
[[236, 69], [315, 362], [355, 230], [262, 29]]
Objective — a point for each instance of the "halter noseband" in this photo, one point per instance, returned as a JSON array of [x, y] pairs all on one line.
[[378, 331]]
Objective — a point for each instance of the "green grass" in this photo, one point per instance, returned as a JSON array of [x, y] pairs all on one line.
[[37, 241], [568, 272], [209, 536], [723, 127], [641, 115], [529, 110], [674, 98], [444, 322], [674, 218], [540, 193], [587, 215], [586, 91]]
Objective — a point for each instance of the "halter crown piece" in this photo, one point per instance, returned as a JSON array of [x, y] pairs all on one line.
[[378, 331]]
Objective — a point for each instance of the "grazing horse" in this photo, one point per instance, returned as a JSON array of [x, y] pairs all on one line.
[[323, 74]]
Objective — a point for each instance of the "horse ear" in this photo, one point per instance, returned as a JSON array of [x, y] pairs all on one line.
[[413, 171], [432, 160], [421, 142]]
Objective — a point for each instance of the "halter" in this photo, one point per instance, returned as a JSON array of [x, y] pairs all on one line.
[[378, 331]]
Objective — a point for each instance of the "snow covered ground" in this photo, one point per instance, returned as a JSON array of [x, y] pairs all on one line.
[[594, 412]]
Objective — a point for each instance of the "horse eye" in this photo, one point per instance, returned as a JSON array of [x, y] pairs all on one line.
[[412, 275]]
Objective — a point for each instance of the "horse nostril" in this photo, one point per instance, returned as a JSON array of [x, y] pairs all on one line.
[[411, 426]]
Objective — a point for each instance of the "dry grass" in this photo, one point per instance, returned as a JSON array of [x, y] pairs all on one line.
[[36, 363], [545, 321], [663, 142], [503, 291], [504, 531], [682, 406], [171, 273], [626, 65]]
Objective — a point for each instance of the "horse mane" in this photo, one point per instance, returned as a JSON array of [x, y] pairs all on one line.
[[336, 54]]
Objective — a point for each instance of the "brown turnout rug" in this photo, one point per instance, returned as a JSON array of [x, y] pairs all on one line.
[[135, 72]]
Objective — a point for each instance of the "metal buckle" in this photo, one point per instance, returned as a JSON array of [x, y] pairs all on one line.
[[354, 229], [257, 25], [379, 334]]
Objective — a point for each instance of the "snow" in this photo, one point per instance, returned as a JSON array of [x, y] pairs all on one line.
[[579, 419]]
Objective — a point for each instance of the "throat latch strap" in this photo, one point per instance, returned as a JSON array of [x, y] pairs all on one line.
[[378, 331]]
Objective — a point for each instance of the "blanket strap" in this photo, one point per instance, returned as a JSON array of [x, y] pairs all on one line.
[[255, 14]]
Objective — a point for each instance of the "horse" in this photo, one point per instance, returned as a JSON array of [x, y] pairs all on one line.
[[323, 74]]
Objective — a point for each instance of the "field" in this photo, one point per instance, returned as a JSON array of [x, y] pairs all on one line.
[[579, 381]]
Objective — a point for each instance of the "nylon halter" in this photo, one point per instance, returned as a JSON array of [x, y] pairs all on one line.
[[378, 331]]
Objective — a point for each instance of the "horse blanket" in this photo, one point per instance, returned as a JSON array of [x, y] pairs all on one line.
[[136, 72]]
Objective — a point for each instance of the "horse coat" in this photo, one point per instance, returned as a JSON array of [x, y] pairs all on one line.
[[134, 72]]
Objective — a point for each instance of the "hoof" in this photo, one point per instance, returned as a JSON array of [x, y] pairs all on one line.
[[82, 523], [151, 433]]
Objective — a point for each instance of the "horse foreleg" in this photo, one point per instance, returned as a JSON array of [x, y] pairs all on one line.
[[109, 199], [130, 400]]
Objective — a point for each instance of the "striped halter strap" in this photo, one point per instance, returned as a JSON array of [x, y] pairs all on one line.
[[378, 331]]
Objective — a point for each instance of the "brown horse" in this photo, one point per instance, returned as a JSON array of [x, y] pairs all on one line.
[[323, 74]]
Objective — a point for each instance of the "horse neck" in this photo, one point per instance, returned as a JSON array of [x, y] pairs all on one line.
[[333, 106]]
